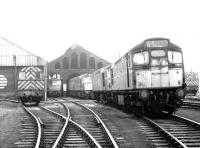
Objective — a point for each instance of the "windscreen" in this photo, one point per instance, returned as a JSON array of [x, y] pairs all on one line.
[[175, 57], [141, 58]]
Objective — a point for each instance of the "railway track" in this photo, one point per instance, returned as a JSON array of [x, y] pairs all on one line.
[[172, 131], [192, 102], [31, 131], [46, 129], [52, 125], [191, 105], [86, 121]]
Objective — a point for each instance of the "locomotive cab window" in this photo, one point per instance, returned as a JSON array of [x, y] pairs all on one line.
[[159, 62], [158, 58], [22, 76], [174, 57], [38, 75], [158, 53], [141, 58]]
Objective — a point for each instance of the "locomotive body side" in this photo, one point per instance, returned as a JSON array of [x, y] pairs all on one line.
[[86, 82], [74, 87], [81, 86]]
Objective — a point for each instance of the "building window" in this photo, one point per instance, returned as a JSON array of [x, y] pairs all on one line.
[[83, 61], [91, 63], [74, 60], [57, 65], [99, 65], [65, 63]]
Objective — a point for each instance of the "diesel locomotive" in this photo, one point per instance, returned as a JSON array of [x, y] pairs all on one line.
[[148, 79], [54, 85], [192, 83], [31, 85]]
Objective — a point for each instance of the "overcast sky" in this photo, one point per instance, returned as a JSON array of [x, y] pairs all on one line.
[[107, 28]]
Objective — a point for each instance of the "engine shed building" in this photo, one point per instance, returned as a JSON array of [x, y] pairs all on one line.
[[13, 60], [74, 62]]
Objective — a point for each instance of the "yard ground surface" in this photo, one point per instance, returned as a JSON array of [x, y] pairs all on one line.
[[124, 127], [10, 114]]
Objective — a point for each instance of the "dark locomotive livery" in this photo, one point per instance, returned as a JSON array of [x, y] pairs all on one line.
[[54, 84], [148, 79], [31, 85]]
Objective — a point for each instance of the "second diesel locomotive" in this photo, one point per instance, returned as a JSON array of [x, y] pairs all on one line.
[[192, 83], [148, 79], [54, 87]]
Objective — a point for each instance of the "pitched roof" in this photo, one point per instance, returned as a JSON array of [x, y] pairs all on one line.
[[8, 49], [76, 47]]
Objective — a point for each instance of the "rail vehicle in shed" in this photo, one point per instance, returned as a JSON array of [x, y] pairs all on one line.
[[81, 86], [54, 85], [148, 79], [192, 82], [22, 72]]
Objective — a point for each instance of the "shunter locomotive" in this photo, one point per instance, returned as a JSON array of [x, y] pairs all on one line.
[[192, 83], [31, 85], [148, 79]]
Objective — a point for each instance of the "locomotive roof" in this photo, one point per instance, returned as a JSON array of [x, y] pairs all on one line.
[[143, 44]]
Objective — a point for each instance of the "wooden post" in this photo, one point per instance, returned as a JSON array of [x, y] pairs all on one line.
[[15, 67], [45, 82]]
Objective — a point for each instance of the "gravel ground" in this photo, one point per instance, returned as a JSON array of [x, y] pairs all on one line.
[[125, 124], [9, 124]]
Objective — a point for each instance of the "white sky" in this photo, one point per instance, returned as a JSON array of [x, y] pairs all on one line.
[[107, 28]]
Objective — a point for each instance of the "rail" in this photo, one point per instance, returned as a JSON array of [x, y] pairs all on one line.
[[92, 140], [195, 124], [9, 100], [38, 127], [177, 142], [60, 138], [101, 122]]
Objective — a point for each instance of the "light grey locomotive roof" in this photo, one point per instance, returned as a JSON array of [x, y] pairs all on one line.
[[142, 45]]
